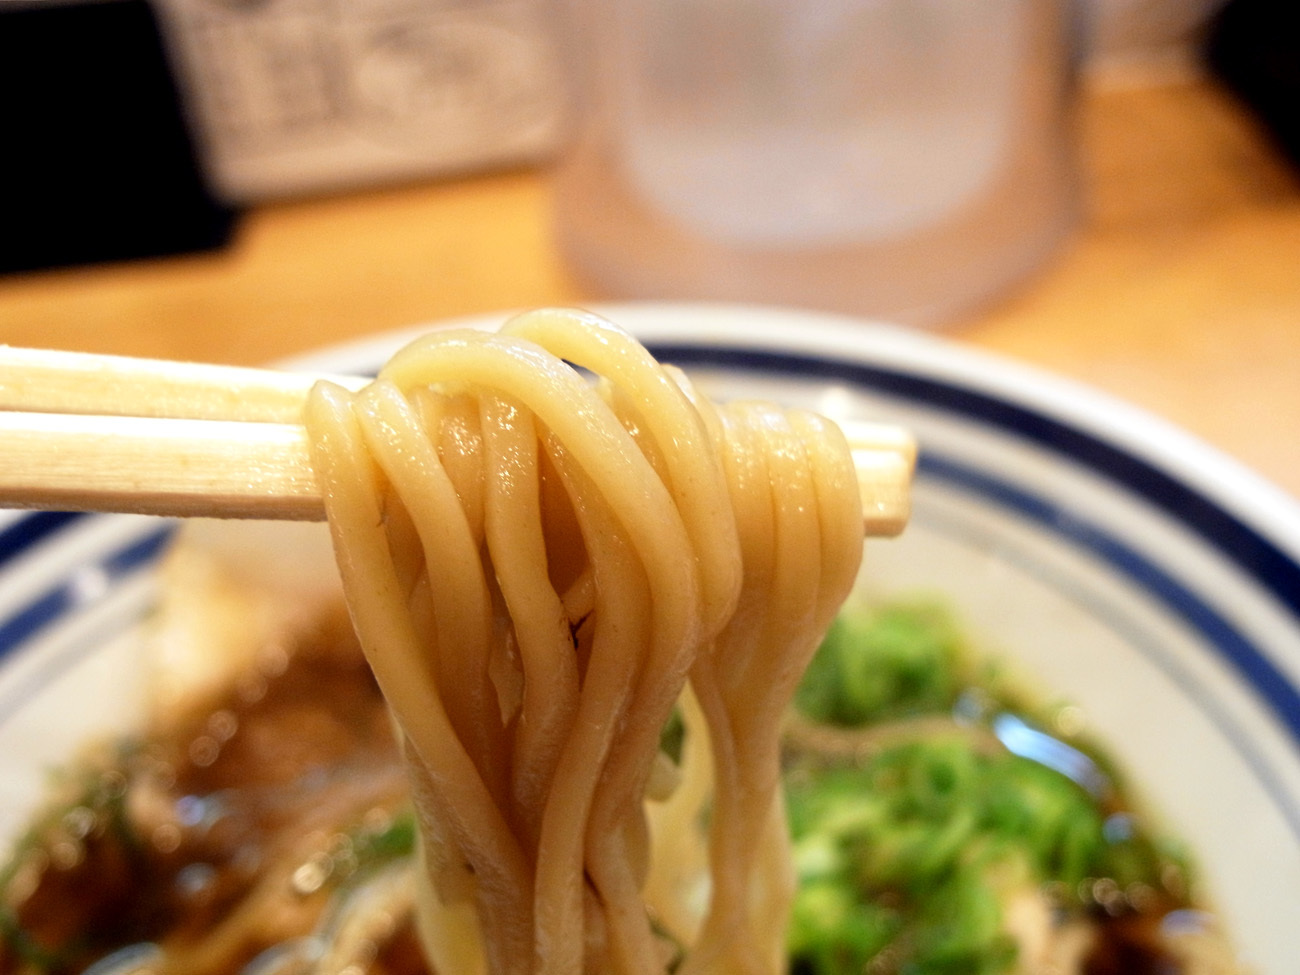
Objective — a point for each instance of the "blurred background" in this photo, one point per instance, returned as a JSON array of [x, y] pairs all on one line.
[[1105, 188]]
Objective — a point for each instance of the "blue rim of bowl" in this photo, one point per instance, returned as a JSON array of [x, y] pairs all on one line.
[[1259, 558], [33, 530]]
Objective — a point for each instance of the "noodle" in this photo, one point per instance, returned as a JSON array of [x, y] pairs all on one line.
[[540, 568]]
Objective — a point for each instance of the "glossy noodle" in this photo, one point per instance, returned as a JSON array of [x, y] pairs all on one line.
[[544, 565]]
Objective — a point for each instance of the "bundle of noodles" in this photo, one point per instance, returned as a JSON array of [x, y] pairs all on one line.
[[536, 565]]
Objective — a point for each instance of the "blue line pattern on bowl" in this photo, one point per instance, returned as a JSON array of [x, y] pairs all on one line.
[[1250, 662], [1271, 568], [30, 619], [30, 530], [1244, 656]]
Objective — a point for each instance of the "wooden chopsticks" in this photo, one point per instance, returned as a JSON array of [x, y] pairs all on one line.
[[48, 381], [89, 432], [111, 433]]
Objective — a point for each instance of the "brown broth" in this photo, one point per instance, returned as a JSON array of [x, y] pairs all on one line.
[[190, 838], [228, 834]]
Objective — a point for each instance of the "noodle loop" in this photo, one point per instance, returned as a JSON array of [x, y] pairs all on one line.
[[541, 568]]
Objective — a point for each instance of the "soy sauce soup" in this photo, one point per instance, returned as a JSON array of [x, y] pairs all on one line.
[[943, 820]]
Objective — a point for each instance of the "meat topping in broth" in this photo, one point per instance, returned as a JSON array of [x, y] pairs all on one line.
[[222, 837]]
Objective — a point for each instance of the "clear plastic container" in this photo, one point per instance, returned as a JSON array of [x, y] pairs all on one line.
[[899, 159]]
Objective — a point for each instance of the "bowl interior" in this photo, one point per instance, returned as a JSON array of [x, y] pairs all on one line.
[[1077, 548]]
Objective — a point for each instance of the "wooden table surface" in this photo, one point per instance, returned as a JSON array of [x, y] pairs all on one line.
[[1180, 293]]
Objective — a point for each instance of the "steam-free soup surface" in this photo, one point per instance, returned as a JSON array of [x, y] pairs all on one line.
[[274, 818]]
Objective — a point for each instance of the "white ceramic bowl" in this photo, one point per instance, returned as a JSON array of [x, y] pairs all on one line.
[[1129, 567]]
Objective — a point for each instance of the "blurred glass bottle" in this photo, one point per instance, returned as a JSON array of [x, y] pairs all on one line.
[[900, 159]]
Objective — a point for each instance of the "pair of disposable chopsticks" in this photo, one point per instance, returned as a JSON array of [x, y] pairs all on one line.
[[89, 432], [85, 432]]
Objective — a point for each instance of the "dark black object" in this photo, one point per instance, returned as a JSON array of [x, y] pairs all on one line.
[[97, 161], [1253, 47]]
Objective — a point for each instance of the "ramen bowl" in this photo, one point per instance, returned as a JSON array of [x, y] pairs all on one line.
[[1127, 567]]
